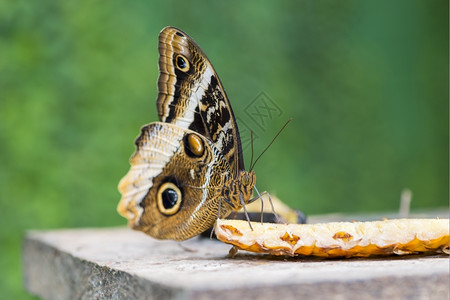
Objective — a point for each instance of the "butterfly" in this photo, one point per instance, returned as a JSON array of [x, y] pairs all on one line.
[[188, 169]]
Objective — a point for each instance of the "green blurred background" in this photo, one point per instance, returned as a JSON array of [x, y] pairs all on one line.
[[366, 83]]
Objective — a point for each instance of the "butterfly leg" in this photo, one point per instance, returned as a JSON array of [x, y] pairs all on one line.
[[218, 217], [277, 217], [245, 210], [262, 203]]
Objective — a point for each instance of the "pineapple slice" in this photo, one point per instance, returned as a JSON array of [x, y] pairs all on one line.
[[339, 239]]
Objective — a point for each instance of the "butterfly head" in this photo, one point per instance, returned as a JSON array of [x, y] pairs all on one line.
[[247, 182]]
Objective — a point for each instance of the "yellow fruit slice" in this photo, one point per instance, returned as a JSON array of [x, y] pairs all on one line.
[[339, 239]]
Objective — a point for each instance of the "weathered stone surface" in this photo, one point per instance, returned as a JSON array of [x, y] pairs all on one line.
[[117, 263]]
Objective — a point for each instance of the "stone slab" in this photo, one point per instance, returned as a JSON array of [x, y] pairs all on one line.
[[118, 263]]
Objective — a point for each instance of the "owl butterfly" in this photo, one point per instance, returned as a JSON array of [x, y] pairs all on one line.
[[188, 167]]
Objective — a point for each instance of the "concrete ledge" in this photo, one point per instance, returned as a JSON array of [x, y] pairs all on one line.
[[117, 263]]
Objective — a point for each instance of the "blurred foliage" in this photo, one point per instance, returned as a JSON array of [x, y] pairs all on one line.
[[366, 83]]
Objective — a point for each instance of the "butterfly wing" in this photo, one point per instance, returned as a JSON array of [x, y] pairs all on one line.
[[172, 190], [192, 96]]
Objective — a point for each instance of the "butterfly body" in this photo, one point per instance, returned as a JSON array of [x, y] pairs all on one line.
[[188, 167]]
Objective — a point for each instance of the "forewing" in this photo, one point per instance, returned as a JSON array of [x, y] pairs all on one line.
[[192, 96]]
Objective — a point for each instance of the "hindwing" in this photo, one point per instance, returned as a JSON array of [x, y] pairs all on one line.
[[166, 158]]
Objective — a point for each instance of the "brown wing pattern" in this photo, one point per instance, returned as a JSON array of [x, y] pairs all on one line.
[[192, 96]]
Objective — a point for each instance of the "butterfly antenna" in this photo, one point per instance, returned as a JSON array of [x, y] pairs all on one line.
[[251, 143], [273, 140]]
